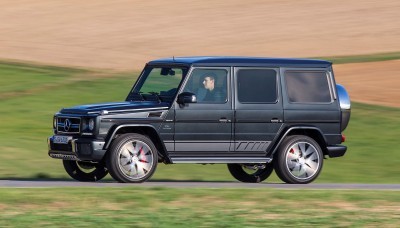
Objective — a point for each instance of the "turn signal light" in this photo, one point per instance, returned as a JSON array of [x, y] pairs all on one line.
[[343, 138]]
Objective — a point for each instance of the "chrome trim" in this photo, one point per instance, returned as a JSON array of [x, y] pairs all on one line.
[[344, 98], [332, 82], [220, 160], [64, 156], [62, 125], [130, 110]]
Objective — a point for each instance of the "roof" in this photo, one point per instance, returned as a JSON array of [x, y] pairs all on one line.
[[241, 61]]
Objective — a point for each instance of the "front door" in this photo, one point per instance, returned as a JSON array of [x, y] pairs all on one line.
[[204, 129]]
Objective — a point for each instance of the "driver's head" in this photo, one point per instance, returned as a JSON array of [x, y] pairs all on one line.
[[209, 81]]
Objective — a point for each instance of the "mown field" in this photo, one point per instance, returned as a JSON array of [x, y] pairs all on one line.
[[31, 94], [162, 207]]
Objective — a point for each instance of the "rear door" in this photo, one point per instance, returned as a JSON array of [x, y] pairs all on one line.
[[259, 113]]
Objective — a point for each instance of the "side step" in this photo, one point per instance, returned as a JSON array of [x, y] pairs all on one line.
[[219, 160]]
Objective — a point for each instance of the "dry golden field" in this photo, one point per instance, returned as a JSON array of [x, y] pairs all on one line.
[[123, 34]]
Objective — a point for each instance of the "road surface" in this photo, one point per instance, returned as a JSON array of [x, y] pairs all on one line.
[[190, 184]]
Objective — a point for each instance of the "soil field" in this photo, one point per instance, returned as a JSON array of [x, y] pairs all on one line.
[[124, 34], [373, 83]]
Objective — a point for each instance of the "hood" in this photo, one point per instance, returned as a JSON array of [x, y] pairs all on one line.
[[115, 107]]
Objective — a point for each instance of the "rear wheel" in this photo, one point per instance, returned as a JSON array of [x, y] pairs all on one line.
[[85, 171], [299, 160], [251, 173], [132, 158]]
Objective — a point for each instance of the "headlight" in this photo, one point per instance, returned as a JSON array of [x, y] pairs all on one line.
[[55, 122], [91, 124]]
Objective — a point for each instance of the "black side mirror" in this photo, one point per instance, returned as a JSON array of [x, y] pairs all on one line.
[[186, 98]]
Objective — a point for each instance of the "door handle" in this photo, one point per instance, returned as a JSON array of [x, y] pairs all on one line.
[[224, 120], [276, 120]]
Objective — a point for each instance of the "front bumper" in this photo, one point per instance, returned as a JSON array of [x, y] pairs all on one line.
[[80, 149]]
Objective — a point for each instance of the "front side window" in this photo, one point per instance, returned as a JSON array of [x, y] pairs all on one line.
[[308, 87], [209, 85], [257, 86], [158, 84]]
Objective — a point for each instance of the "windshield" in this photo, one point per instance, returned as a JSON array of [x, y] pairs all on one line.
[[157, 84]]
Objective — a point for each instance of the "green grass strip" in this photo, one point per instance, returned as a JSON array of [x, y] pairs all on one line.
[[165, 207], [37, 67], [362, 58]]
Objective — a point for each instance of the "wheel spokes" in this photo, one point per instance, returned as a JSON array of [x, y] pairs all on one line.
[[135, 159], [302, 160]]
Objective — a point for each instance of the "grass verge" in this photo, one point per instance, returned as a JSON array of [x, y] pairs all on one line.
[[362, 58], [164, 207]]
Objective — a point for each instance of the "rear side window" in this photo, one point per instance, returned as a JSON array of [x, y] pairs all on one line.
[[256, 86], [308, 87]]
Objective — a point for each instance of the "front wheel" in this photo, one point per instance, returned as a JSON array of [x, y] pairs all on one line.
[[299, 160], [132, 158], [251, 173], [85, 171]]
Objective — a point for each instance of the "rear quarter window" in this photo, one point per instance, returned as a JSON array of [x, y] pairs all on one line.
[[308, 87]]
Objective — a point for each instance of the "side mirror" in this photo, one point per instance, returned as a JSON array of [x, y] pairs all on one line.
[[186, 98]]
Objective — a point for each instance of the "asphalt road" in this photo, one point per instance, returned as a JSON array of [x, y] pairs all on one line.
[[190, 184]]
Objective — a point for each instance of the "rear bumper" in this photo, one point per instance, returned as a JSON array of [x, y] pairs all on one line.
[[336, 150], [81, 149]]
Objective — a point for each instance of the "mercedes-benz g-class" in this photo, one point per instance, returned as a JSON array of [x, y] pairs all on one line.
[[254, 114]]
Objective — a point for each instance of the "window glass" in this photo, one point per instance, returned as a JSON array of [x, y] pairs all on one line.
[[161, 79], [157, 84], [256, 86], [308, 86], [209, 85]]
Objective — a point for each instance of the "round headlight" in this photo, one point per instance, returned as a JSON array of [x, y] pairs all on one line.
[[55, 122], [91, 124]]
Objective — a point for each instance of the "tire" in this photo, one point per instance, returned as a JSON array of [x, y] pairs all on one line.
[[85, 171], [250, 173], [132, 158], [299, 160]]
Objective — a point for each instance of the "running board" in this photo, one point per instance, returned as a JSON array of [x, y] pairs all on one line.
[[220, 160]]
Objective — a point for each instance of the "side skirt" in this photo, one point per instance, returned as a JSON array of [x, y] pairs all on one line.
[[219, 160]]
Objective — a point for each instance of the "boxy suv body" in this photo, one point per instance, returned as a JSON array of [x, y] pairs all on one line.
[[254, 114]]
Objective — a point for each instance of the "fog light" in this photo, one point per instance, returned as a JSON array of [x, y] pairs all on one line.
[[91, 124]]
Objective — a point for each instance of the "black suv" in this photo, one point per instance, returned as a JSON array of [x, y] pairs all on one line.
[[255, 114]]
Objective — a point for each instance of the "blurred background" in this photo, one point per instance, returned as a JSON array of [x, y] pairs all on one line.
[[55, 54]]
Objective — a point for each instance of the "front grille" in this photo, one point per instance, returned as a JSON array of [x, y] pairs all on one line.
[[69, 125]]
